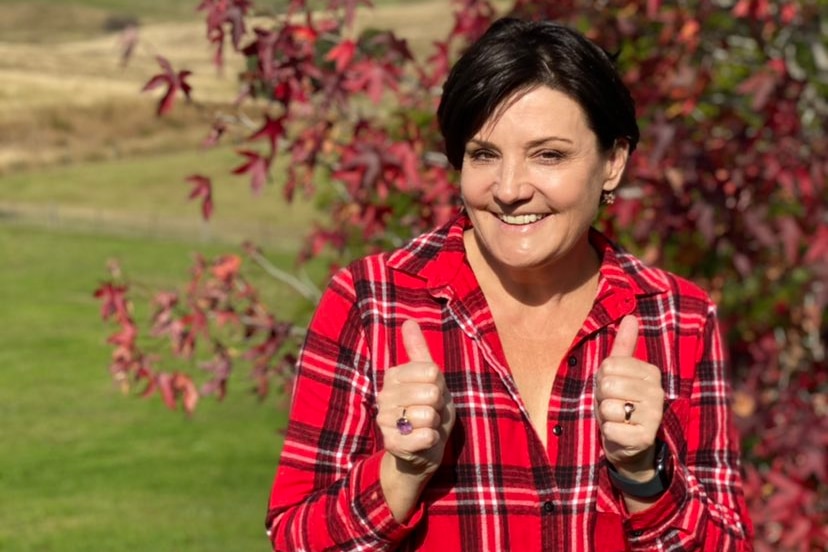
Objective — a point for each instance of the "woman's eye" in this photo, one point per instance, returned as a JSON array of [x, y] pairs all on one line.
[[550, 155], [481, 155]]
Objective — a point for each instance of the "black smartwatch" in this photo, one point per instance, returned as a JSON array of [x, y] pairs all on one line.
[[646, 489]]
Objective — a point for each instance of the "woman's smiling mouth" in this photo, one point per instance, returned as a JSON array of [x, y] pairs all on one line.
[[520, 220]]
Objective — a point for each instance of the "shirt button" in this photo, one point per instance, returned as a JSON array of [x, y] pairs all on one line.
[[572, 361], [557, 430], [548, 507]]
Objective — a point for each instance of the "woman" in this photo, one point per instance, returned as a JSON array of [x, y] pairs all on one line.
[[513, 380]]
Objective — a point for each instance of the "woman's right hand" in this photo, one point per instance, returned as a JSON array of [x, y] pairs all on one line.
[[418, 388]]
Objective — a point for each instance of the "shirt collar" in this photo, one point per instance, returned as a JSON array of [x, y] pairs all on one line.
[[436, 258]]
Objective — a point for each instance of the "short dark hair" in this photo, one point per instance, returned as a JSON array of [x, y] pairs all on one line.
[[515, 55]]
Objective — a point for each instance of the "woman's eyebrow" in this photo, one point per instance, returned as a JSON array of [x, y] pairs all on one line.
[[542, 141], [480, 143], [533, 143]]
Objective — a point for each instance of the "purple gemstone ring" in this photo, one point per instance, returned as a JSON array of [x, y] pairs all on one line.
[[403, 425]]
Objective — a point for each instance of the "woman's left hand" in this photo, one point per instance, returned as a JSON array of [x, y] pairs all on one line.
[[629, 403]]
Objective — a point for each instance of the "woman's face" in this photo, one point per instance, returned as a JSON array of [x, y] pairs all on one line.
[[532, 177]]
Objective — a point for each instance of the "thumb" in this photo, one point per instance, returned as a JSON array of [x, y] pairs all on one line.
[[414, 342], [626, 337]]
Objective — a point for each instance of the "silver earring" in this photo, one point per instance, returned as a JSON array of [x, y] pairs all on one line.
[[607, 198]]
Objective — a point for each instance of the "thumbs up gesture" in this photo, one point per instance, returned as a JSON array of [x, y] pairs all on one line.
[[629, 402], [415, 410]]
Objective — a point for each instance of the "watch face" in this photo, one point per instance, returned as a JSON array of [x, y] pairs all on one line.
[[661, 455], [662, 464]]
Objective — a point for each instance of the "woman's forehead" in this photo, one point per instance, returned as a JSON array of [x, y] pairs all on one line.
[[537, 109]]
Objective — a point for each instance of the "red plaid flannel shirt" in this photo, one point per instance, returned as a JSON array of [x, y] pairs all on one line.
[[498, 489]]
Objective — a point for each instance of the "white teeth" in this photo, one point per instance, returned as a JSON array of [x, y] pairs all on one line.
[[520, 219]]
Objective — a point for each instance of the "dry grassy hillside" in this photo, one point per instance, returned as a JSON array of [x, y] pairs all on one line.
[[69, 100]]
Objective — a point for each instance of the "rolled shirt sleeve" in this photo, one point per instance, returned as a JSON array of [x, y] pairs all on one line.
[[327, 494], [704, 507]]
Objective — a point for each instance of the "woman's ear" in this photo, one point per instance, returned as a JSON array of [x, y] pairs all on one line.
[[616, 162]]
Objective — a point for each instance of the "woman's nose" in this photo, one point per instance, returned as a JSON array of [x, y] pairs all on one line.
[[512, 183]]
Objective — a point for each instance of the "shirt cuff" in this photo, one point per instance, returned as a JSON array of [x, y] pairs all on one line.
[[371, 508], [672, 510]]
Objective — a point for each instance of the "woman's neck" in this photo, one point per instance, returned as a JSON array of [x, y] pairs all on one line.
[[575, 275]]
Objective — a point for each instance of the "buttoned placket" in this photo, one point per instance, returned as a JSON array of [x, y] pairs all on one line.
[[620, 302]]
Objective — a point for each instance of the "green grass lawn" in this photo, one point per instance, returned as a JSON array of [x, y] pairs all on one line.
[[84, 468], [148, 195]]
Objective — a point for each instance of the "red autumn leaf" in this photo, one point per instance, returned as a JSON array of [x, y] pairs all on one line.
[[758, 227], [257, 166], [182, 340], [272, 130], [165, 300], [220, 13], [375, 166], [342, 54], [174, 82], [261, 51], [113, 301], [227, 267], [318, 239], [472, 19], [303, 33], [151, 386], [818, 248], [264, 352], [760, 86], [163, 319], [235, 17], [372, 78], [177, 386], [196, 321], [790, 236], [124, 338], [387, 48], [439, 64], [361, 169], [304, 153], [372, 220], [407, 162], [220, 367], [202, 188]]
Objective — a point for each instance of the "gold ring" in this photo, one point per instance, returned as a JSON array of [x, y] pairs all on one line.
[[629, 408]]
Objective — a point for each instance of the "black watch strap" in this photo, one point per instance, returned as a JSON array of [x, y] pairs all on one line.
[[646, 489]]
